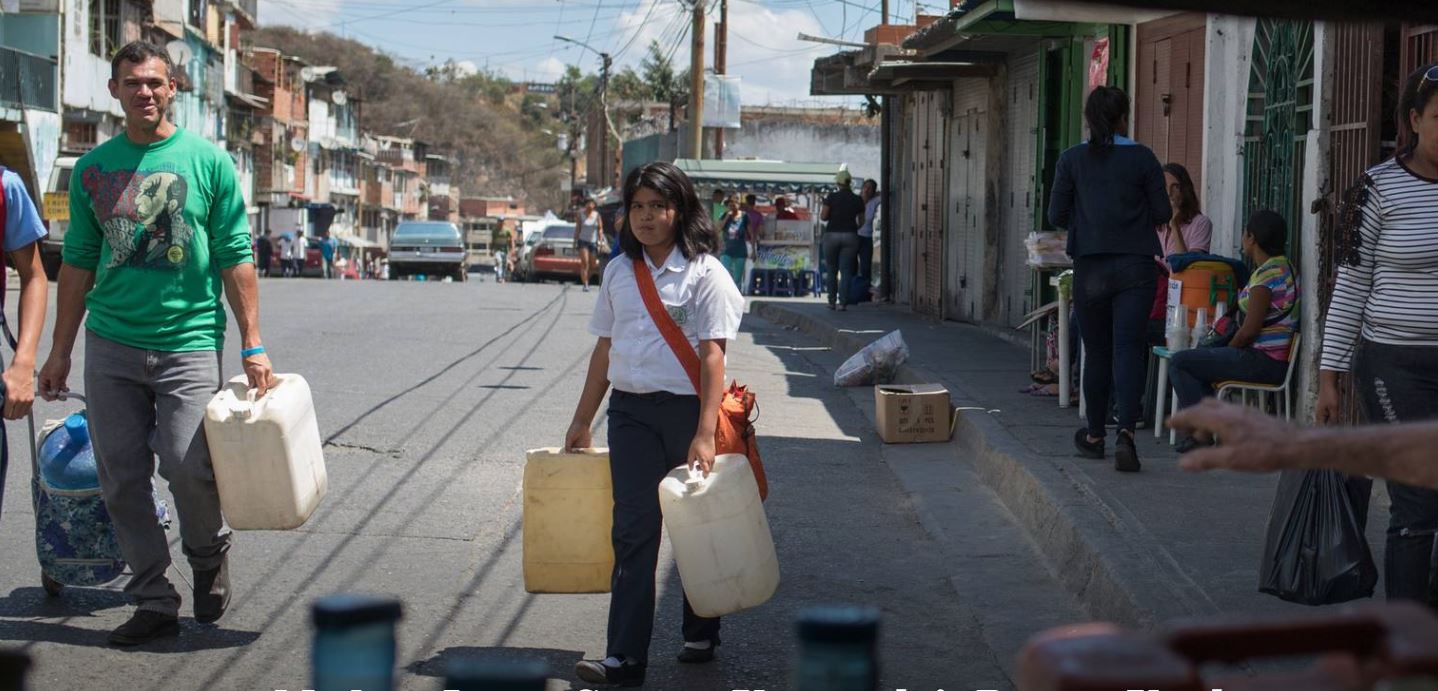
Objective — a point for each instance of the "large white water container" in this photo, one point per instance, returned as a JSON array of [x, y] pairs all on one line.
[[568, 515], [268, 458], [720, 536]]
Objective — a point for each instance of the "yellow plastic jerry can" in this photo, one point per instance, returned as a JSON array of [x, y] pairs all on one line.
[[568, 516]]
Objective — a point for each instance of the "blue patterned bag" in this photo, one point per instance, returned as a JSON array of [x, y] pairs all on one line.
[[74, 537]]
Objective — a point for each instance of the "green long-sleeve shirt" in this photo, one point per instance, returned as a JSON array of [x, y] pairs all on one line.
[[157, 223]]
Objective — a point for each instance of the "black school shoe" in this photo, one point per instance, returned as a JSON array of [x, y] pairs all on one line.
[[145, 626], [698, 656], [1125, 457], [1086, 448], [596, 672], [212, 593]]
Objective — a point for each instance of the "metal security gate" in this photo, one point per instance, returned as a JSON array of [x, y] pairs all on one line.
[[1419, 48], [901, 217], [929, 201], [964, 241], [1017, 195], [1280, 114]]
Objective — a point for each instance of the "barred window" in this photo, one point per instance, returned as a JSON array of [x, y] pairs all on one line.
[[104, 27]]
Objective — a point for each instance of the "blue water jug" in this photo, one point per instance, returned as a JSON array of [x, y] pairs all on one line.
[[838, 649], [67, 461], [354, 644]]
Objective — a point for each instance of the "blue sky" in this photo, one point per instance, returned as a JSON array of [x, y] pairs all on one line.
[[515, 37]]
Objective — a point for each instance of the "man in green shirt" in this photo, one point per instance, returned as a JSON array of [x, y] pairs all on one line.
[[158, 230]]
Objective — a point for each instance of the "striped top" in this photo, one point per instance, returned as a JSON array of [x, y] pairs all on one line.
[[1276, 275], [1391, 296]]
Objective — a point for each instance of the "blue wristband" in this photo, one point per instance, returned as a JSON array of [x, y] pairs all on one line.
[[250, 352]]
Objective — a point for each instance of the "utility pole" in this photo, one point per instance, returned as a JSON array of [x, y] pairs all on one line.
[[884, 12], [721, 56], [609, 119], [696, 84]]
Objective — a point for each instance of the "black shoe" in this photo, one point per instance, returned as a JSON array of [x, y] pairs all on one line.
[[1125, 456], [212, 593], [1086, 448], [145, 626], [596, 672], [698, 656]]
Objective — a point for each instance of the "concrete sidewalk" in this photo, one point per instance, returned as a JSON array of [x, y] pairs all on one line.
[[1137, 549]]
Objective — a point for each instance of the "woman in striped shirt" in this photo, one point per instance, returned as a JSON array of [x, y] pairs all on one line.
[[1382, 325], [1259, 350]]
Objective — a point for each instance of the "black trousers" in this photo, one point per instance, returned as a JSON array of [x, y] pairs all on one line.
[[649, 435], [1113, 295], [1400, 384]]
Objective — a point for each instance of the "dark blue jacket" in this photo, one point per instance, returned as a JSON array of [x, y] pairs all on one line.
[[1110, 201]]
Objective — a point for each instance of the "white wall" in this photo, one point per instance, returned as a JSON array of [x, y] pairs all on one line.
[[1230, 44], [794, 142], [86, 76]]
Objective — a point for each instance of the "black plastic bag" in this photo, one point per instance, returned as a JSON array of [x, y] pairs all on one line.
[[1316, 552]]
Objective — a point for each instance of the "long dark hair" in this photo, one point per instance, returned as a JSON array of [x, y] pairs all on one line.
[[1188, 196], [1269, 231], [1105, 110], [1416, 95], [693, 232]]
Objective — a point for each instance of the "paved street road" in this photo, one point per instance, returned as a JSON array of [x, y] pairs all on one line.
[[428, 395]]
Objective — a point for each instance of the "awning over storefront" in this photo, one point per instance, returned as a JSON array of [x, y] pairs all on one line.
[[1415, 11], [761, 176], [356, 241]]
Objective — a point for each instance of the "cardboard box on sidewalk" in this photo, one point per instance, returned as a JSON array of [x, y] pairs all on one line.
[[912, 413]]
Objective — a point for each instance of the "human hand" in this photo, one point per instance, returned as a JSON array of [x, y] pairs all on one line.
[[701, 453], [1325, 411], [1252, 442], [53, 376], [19, 390], [578, 437], [260, 374]]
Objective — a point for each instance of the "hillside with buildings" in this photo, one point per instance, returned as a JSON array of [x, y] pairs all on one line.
[[489, 126]]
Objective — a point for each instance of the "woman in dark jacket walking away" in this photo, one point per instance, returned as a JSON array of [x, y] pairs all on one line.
[[1109, 193]]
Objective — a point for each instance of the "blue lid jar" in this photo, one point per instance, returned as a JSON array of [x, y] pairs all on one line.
[[67, 460]]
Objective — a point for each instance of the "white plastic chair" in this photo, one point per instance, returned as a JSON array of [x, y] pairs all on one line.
[[1262, 391]]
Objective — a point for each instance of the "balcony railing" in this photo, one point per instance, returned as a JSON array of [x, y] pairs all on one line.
[[28, 81]]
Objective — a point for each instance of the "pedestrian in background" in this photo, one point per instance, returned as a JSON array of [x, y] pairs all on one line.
[[738, 238], [718, 205], [152, 365], [782, 210], [1382, 325], [1109, 194], [586, 239], [327, 255], [1260, 349], [298, 250], [22, 232], [287, 242], [843, 211], [656, 422], [264, 252], [1187, 230], [502, 239], [870, 194]]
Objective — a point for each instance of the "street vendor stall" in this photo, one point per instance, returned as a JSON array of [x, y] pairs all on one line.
[[785, 245]]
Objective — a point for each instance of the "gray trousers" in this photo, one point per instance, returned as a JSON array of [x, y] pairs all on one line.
[[144, 404]]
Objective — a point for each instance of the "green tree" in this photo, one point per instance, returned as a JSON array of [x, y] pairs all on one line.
[[627, 85], [665, 84]]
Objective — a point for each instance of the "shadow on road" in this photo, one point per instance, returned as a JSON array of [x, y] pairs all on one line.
[[559, 662], [74, 602], [193, 637]]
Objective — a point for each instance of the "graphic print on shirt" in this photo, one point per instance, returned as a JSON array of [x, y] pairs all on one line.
[[142, 215]]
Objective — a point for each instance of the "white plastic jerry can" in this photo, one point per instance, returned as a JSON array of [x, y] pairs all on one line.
[[568, 515], [268, 458], [720, 536]]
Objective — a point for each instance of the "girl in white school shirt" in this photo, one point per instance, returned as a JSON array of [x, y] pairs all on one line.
[[656, 420]]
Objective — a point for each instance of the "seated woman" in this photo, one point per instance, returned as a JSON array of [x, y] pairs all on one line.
[[1259, 349]]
